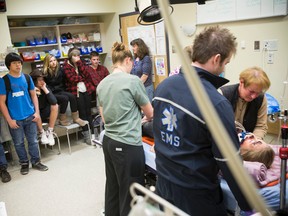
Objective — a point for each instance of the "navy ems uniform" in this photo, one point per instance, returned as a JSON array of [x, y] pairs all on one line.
[[187, 157]]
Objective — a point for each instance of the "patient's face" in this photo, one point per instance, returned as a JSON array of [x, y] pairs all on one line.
[[252, 143]]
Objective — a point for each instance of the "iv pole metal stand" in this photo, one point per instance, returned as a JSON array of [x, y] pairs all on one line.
[[283, 154]]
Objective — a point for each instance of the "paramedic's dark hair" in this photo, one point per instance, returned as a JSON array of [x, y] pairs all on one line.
[[212, 41], [120, 52]]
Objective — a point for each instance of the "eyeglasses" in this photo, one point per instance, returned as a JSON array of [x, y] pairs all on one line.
[[252, 92]]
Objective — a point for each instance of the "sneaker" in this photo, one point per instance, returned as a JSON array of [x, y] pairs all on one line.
[[44, 138], [50, 136], [39, 166], [4, 175], [24, 169]]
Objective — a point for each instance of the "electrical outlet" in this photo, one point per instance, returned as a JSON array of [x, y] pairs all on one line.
[[270, 58], [270, 45]]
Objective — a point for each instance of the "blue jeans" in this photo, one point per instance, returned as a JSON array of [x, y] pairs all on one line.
[[3, 161], [29, 128], [150, 92]]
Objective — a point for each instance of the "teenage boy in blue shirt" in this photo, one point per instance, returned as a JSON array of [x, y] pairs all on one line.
[[21, 112]]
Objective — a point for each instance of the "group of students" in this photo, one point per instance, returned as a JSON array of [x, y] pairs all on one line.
[[45, 94], [34, 99]]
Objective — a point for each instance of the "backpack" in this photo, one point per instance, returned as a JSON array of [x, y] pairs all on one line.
[[8, 84]]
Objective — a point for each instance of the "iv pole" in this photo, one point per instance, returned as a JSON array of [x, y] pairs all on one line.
[[283, 154]]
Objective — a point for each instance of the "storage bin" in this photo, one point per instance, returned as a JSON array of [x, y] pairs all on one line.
[[19, 44], [50, 40], [28, 56], [31, 41], [99, 49], [97, 36], [55, 52], [40, 41]]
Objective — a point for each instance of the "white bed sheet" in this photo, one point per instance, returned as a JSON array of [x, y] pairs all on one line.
[[149, 156]]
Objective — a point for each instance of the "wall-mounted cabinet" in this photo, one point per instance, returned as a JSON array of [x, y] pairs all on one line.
[[39, 40]]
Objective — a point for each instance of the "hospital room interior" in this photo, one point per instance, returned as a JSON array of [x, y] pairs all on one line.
[[76, 181]]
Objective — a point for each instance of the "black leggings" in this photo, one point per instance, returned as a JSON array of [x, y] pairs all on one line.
[[63, 98]]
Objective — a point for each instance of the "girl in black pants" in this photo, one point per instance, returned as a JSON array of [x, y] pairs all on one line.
[[54, 79]]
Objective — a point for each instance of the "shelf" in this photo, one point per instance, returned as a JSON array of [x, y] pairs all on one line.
[[80, 42], [26, 27], [37, 46], [21, 33], [63, 58]]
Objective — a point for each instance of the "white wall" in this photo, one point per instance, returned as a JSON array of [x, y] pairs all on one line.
[[58, 7], [247, 31]]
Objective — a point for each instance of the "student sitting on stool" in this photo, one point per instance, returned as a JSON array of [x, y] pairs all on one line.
[[48, 107]]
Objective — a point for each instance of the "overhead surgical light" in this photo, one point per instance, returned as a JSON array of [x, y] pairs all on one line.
[[150, 12]]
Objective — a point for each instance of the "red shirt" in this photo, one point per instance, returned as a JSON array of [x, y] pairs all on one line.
[[97, 74], [72, 78]]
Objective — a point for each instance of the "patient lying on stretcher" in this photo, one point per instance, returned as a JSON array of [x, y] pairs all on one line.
[[256, 150], [262, 162], [252, 149]]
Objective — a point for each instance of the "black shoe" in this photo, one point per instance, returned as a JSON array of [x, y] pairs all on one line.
[[39, 166], [24, 169], [5, 176]]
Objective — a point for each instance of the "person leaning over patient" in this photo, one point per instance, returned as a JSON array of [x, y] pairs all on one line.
[[249, 101]]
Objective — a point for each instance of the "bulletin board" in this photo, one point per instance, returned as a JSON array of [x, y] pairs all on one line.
[[234, 10], [153, 35]]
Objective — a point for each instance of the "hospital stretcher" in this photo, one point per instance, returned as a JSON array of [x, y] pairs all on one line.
[[269, 192]]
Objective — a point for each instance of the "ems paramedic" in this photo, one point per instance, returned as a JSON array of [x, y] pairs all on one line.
[[249, 101], [187, 157]]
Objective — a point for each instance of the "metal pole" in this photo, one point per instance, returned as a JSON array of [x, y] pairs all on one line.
[[283, 154]]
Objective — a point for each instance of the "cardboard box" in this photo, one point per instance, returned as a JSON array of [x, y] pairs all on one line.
[[274, 127]]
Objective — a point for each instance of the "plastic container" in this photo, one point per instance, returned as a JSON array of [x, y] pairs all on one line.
[[40, 41], [51, 40], [31, 41], [29, 56], [99, 49], [19, 44]]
